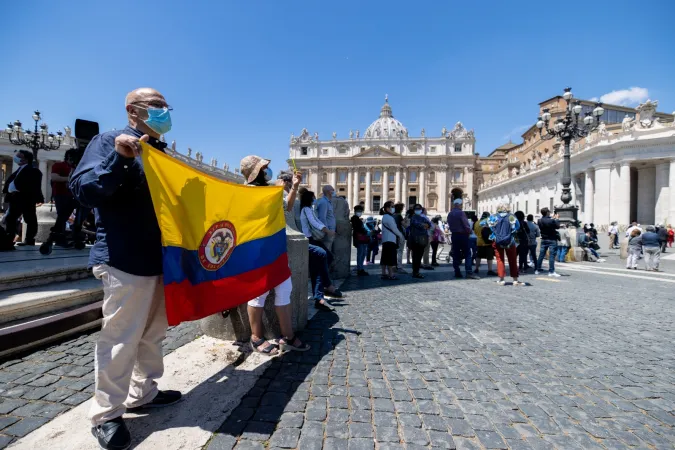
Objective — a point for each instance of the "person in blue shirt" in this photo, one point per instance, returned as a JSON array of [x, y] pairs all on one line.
[[509, 249], [326, 215], [127, 258]]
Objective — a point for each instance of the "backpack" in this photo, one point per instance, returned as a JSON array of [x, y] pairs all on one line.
[[485, 234], [502, 231]]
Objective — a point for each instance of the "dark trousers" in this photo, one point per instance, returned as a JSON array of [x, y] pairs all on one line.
[[523, 250], [17, 209], [461, 246], [318, 271], [533, 254], [434, 251], [552, 247], [65, 204], [417, 252], [663, 246]]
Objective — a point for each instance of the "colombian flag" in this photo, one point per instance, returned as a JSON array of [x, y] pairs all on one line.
[[223, 243]]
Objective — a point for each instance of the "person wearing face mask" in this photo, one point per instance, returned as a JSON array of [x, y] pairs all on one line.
[[461, 230], [361, 238], [326, 214], [391, 239], [418, 238], [23, 191], [110, 178]]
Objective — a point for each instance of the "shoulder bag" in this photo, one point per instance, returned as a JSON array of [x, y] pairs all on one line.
[[317, 235]]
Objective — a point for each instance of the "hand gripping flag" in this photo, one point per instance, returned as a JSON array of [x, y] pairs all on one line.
[[223, 243]]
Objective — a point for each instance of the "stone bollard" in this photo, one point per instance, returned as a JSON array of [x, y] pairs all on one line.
[[624, 249], [46, 217], [233, 325], [342, 244]]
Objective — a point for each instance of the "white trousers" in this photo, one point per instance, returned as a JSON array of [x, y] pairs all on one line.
[[652, 257], [282, 295], [129, 348], [633, 256]]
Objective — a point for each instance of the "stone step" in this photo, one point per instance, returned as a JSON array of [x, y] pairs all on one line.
[[35, 315], [28, 268]]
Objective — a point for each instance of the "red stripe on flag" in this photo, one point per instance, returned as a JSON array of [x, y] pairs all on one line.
[[185, 301]]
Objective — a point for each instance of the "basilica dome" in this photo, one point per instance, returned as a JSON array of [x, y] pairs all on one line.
[[386, 126]]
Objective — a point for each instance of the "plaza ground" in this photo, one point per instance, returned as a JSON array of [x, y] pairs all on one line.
[[582, 361]]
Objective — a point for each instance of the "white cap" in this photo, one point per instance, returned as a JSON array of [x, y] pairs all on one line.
[[457, 201]]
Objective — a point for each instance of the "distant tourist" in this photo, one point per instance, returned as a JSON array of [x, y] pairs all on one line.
[[564, 243], [402, 223], [484, 244], [651, 248], [662, 231], [391, 239], [326, 215], [437, 238], [504, 227], [361, 238], [418, 238], [548, 227], [523, 242], [460, 229], [613, 233], [671, 235], [634, 249], [532, 235]]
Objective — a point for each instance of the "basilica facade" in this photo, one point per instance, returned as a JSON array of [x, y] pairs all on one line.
[[387, 163]]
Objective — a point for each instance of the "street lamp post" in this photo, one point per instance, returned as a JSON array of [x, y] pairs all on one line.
[[566, 129], [35, 140]]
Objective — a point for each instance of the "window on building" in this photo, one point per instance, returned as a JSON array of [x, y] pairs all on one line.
[[413, 176], [392, 149], [412, 200], [305, 177], [432, 149], [303, 151], [432, 177], [362, 178], [362, 189], [517, 206], [324, 177], [413, 189], [341, 189], [412, 149], [342, 176], [431, 201], [377, 176], [363, 149], [457, 176], [527, 208], [550, 205], [324, 151], [342, 149], [376, 203], [537, 210], [458, 148], [392, 177]]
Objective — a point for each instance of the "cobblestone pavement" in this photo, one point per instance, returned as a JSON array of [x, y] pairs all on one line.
[[43, 384], [582, 362]]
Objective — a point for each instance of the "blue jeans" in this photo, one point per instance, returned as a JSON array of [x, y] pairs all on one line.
[[594, 252], [551, 246], [361, 252], [461, 245], [318, 271], [562, 253], [533, 254]]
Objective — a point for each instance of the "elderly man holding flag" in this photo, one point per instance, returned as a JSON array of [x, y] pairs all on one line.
[[127, 258]]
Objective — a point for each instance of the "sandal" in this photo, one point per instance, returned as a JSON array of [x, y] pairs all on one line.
[[323, 306], [286, 345], [265, 351]]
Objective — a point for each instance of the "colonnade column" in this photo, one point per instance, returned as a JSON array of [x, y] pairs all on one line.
[[662, 193], [356, 192], [443, 189], [601, 200], [404, 187], [397, 188], [350, 188], [468, 175], [369, 183], [333, 178], [588, 196], [422, 187], [671, 183], [621, 212], [646, 194], [385, 186]]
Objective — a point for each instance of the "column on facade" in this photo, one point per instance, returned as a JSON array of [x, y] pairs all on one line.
[[356, 186], [662, 191], [397, 186], [671, 183], [601, 211], [385, 185], [422, 187], [468, 176], [333, 178], [350, 189], [442, 181], [620, 195], [645, 194], [404, 187], [588, 195], [369, 186], [45, 178], [315, 178]]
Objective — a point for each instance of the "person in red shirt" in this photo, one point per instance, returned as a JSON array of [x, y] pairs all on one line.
[[63, 198]]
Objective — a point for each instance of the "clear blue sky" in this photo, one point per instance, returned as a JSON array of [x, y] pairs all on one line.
[[242, 76]]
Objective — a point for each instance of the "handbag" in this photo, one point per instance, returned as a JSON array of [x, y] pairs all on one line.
[[390, 230], [317, 235]]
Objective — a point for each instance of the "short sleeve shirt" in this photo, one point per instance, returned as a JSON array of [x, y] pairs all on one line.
[[61, 187]]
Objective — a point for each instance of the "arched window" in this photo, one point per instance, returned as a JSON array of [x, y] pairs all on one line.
[[457, 176], [413, 176]]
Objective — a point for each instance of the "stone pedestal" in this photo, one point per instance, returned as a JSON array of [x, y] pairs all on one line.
[[233, 325], [342, 244], [576, 254], [46, 217], [623, 252]]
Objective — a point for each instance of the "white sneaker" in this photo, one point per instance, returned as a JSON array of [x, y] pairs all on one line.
[[501, 282], [601, 260], [536, 272], [553, 274]]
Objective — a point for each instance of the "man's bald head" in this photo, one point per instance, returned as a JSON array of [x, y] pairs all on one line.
[[137, 103], [328, 191]]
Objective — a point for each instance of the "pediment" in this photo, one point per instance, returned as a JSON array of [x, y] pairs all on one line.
[[377, 151]]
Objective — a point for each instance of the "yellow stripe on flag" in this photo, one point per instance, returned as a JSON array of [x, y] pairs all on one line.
[[191, 201]]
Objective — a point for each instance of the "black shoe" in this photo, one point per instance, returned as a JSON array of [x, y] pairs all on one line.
[[162, 399], [458, 275], [335, 294], [435, 264], [28, 243], [427, 267], [492, 273], [323, 307], [112, 435], [362, 273], [418, 275]]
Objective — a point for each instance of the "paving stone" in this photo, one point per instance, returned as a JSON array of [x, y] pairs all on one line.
[[25, 426], [6, 421], [7, 405], [440, 439], [490, 439], [360, 430], [38, 393], [336, 444], [76, 398], [285, 438], [414, 436], [249, 445], [221, 442], [5, 441], [291, 420], [386, 434]]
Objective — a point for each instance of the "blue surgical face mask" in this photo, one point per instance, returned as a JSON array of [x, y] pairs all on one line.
[[391, 210], [17, 159], [418, 212], [268, 174], [159, 120], [359, 214]]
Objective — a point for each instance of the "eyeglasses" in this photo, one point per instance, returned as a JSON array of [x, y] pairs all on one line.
[[152, 104]]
